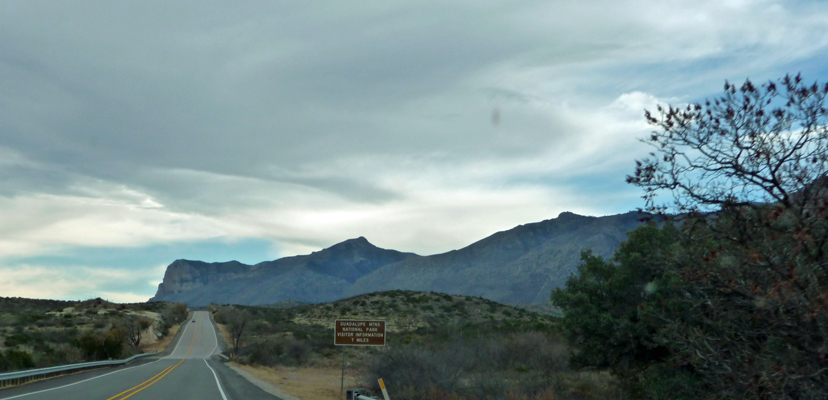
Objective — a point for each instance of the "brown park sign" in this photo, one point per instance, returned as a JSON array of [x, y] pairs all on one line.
[[359, 333]]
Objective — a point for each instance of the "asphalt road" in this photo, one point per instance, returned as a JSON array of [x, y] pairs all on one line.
[[192, 370]]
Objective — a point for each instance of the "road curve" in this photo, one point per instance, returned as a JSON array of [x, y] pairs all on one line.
[[188, 372]]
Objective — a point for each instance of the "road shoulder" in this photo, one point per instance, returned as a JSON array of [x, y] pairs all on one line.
[[222, 360], [267, 387]]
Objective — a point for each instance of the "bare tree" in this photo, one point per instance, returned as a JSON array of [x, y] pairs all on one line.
[[132, 326], [237, 322], [749, 145]]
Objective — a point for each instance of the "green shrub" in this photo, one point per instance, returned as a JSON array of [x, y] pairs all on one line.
[[15, 360], [102, 346], [276, 351], [17, 340]]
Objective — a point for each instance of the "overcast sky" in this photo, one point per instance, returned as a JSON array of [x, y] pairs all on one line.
[[136, 133]]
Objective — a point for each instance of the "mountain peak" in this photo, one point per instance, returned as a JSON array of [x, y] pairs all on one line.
[[568, 214], [355, 243], [352, 259]]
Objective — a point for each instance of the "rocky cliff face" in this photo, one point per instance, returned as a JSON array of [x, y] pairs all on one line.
[[185, 275], [521, 265], [317, 277]]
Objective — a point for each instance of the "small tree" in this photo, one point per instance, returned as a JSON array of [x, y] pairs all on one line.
[[605, 319]]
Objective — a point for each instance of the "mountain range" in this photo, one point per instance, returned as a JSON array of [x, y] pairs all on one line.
[[520, 265]]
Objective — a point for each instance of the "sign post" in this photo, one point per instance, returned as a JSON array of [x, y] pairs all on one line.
[[349, 332]]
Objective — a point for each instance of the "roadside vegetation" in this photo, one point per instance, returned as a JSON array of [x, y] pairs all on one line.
[[722, 295], [731, 300], [439, 346], [44, 333]]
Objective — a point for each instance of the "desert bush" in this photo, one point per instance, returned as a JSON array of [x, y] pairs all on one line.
[[174, 313], [66, 354], [15, 360], [259, 327], [298, 352], [274, 351], [58, 336], [17, 340], [96, 346], [533, 351], [28, 318], [592, 385], [493, 366], [266, 352], [411, 371]]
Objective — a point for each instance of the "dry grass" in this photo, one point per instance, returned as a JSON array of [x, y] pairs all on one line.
[[161, 345], [306, 383], [225, 334], [591, 385]]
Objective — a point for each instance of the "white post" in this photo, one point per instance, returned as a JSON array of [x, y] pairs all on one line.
[[384, 392]]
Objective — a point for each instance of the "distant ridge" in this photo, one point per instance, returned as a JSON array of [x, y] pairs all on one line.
[[520, 265], [317, 277]]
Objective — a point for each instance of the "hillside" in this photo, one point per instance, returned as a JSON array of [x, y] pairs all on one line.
[[43, 333], [405, 310], [521, 265], [469, 344]]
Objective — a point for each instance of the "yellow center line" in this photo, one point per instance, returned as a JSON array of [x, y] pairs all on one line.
[[145, 382], [151, 381]]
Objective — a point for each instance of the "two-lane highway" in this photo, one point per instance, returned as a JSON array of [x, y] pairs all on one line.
[[187, 373]]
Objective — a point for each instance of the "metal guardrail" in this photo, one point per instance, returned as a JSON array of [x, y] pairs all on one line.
[[20, 377], [357, 394]]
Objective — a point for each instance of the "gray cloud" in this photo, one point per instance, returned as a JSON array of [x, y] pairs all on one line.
[[310, 122]]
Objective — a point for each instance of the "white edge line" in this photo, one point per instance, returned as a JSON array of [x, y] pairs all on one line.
[[72, 384], [223, 396], [215, 337], [179, 339], [114, 372]]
